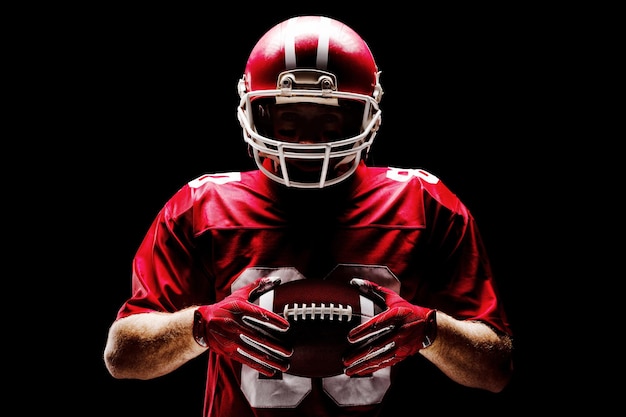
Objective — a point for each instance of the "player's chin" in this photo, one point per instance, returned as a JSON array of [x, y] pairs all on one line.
[[304, 167], [308, 171]]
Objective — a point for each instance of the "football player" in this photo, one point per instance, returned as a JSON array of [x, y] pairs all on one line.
[[314, 209]]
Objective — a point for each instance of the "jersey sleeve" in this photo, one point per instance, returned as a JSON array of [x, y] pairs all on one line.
[[473, 292], [458, 274], [464, 285], [165, 274]]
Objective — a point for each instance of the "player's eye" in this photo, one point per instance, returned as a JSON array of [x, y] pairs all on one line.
[[331, 135], [287, 133], [329, 118]]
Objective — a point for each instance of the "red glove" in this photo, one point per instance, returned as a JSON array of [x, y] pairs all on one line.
[[244, 331], [392, 335]]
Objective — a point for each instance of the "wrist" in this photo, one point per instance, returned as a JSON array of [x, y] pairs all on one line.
[[199, 328], [430, 332]]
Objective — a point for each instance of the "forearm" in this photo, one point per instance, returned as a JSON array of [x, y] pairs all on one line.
[[145, 346], [471, 353]]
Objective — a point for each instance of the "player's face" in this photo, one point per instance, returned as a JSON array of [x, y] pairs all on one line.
[[309, 123]]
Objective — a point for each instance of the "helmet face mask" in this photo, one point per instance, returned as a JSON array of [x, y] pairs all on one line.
[[302, 128]]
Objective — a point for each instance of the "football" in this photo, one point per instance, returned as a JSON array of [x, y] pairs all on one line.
[[320, 313]]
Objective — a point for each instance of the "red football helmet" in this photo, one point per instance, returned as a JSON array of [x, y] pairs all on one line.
[[313, 60]]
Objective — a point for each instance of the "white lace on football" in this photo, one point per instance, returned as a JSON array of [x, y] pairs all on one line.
[[322, 311]]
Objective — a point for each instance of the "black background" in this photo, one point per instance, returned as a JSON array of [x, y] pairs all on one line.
[[148, 103]]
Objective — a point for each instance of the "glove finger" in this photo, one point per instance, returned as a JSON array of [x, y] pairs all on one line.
[[267, 345], [263, 285], [375, 327], [368, 368], [234, 343], [267, 368], [369, 362], [369, 352], [370, 289], [265, 321], [253, 316], [264, 355]]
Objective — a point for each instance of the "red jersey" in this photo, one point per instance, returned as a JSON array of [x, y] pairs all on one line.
[[401, 228]]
